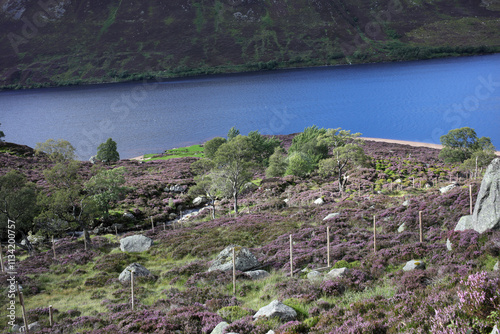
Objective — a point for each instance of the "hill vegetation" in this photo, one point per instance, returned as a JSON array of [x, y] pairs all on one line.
[[456, 292], [52, 43]]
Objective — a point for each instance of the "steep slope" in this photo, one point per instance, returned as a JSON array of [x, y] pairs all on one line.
[[65, 42]]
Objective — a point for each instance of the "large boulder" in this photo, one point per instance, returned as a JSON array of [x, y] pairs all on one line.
[[200, 200], [244, 260], [137, 269], [486, 213], [277, 310], [135, 244]]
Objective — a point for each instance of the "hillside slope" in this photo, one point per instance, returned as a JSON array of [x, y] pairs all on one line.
[[69, 42]]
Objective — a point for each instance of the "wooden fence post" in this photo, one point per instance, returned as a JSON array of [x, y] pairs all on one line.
[[291, 256], [51, 316], [470, 196], [116, 231], [420, 225], [152, 224], [53, 247], [328, 245], [84, 241], [374, 235], [21, 301], [164, 226], [132, 287], [234, 272]]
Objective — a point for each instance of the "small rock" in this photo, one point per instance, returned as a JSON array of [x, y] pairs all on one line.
[[332, 215], [319, 201], [278, 310], [93, 159], [449, 245], [444, 190], [401, 228], [496, 266], [270, 332], [286, 200], [495, 330], [244, 259], [414, 264], [257, 274], [128, 215], [35, 326], [172, 216], [135, 243], [314, 276], [219, 329], [199, 200], [406, 203], [465, 223], [338, 272], [137, 269]]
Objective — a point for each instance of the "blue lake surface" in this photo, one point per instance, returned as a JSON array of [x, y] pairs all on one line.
[[416, 101]]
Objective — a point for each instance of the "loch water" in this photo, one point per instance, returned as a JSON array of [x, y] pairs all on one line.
[[416, 101]]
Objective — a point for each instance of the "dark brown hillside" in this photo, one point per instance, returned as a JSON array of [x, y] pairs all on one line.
[[105, 41]]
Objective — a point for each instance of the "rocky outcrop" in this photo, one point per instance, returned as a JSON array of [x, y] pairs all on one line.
[[486, 213], [337, 273], [244, 259], [135, 244], [277, 310], [139, 271]]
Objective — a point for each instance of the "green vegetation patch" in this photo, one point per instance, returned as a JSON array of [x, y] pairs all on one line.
[[194, 151]]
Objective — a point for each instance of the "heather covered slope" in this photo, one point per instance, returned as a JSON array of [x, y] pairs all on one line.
[[68, 42], [377, 296]]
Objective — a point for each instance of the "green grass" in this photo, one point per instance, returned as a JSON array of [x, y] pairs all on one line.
[[195, 151]]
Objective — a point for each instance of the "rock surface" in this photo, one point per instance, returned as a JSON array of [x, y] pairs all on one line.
[[278, 310], [336, 273], [449, 187], [319, 201], [257, 274], [414, 264], [332, 215], [314, 276], [401, 228], [449, 245], [496, 266], [135, 243], [245, 260], [200, 200], [486, 213], [219, 329], [139, 271]]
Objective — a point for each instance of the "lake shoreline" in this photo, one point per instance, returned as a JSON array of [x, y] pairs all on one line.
[[220, 72], [382, 140]]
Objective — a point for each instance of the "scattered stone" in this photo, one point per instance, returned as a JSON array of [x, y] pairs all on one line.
[[175, 188], [414, 264], [332, 215], [278, 310], [449, 245], [93, 159], [200, 200], [219, 329], [444, 190], [286, 200], [244, 260], [135, 243], [486, 213], [496, 266], [398, 181], [128, 215], [137, 269], [257, 274], [406, 203], [401, 228], [314, 276], [495, 330], [337, 273], [35, 239], [319, 201], [270, 332], [172, 216], [34, 327]]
